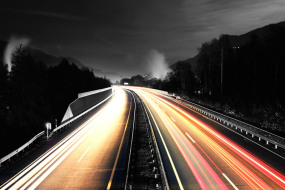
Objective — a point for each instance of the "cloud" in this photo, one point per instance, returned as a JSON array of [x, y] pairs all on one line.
[[46, 14], [13, 43]]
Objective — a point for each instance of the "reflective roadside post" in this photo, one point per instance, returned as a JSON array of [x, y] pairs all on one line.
[[48, 126]]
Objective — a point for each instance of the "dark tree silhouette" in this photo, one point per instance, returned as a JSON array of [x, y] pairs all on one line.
[[32, 94], [28, 82], [3, 93]]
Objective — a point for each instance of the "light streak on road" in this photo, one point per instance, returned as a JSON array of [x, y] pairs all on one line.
[[167, 151], [204, 174], [95, 131], [190, 137], [246, 166], [118, 153], [257, 163]]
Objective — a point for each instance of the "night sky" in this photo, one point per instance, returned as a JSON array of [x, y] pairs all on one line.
[[117, 36]]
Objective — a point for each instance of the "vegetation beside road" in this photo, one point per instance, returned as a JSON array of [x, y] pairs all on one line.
[[32, 94], [242, 76]]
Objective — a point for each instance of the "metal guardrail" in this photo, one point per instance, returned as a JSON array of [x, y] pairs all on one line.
[[15, 152], [68, 115], [83, 113], [9, 156], [81, 95], [261, 134], [161, 165], [164, 181], [131, 145]]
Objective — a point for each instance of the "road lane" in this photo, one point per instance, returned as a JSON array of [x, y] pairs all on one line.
[[193, 172], [213, 160], [88, 157]]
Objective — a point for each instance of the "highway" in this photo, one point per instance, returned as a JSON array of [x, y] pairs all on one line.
[[91, 157], [199, 153], [196, 151]]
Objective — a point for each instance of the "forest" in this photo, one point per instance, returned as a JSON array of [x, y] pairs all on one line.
[[239, 76], [32, 94]]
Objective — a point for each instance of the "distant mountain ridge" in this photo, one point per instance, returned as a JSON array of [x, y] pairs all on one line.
[[262, 32], [235, 41], [43, 57], [51, 61]]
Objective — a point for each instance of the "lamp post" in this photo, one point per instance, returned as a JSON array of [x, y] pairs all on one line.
[[48, 126]]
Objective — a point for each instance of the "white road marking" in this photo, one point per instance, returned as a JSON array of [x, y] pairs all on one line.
[[168, 154], [226, 127], [83, 154], [190, 138], [51, 151], [226, 142], [230, 181]]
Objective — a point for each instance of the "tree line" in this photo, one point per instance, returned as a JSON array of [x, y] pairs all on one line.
[[246, 81], [32, 94]]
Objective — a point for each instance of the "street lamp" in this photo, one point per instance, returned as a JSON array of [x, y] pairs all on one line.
[[48, 126]]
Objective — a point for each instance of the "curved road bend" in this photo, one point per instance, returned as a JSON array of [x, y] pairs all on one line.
[[90, 157], [198, 153]]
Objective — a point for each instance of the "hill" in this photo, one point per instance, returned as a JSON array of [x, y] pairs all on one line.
[[234, 41], [191, 61], [41, 56], [239, 75], [262, 33], [51, 60]]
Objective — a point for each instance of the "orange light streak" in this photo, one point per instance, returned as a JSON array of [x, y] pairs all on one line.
[[201, 170], [253, 180]]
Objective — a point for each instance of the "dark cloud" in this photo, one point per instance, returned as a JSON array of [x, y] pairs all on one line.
[[115, 36], [46, 14]]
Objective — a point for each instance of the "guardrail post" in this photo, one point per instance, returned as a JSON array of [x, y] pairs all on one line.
[[218, 117]]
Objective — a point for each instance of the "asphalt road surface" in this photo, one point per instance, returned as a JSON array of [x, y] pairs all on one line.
[[91, 157], [199, 153]]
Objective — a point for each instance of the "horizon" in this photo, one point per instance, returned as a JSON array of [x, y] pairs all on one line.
[[120, 39]]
